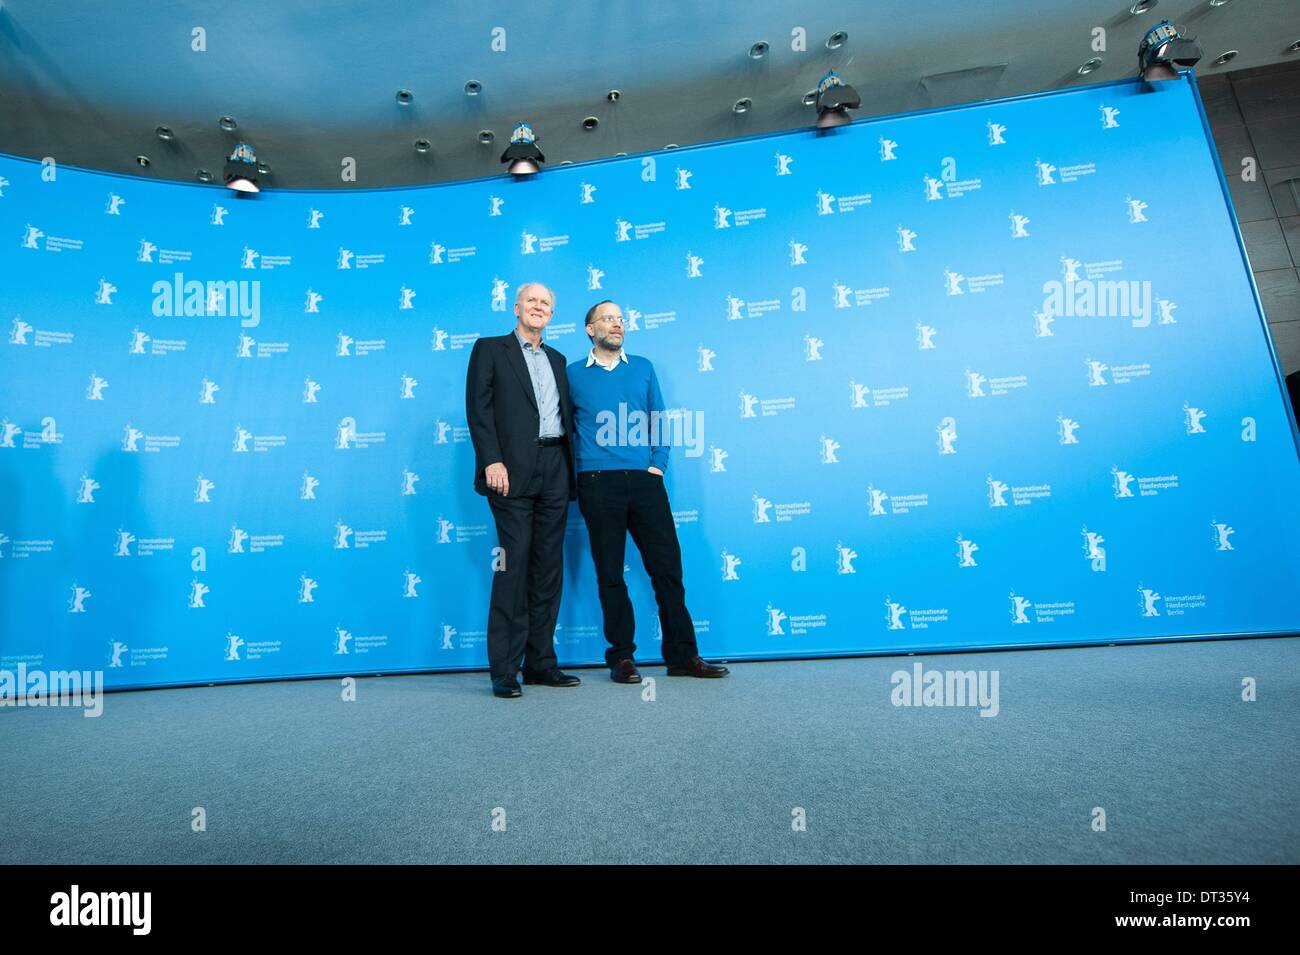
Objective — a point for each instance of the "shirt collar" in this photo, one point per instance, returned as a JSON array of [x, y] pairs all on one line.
[[525, 345], [591, 359]]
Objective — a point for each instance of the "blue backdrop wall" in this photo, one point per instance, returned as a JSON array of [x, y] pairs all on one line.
[[980, 377]]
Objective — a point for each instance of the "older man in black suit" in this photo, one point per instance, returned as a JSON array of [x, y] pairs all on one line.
[[520, 420]]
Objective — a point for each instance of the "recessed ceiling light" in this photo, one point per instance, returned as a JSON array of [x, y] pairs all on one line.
[[485, 136], [1294, 47], [1225, 57], [227, 123], [613, 96], [1142, 6], [671, 146], [404, 97], [142, 162], [742, 105], [566, 162], [758, 50], [590, 123], [165, 133], [423, 146], [1090, 66], [620, 154], [202, 175], [473, 88], [810, 98], [1217, 3], [836, 40], [263, 169]]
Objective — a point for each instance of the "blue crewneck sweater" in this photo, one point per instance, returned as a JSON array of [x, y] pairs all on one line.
[[612, 416]]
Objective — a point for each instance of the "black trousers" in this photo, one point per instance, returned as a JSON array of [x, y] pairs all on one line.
[[526, 594], [614, 504]]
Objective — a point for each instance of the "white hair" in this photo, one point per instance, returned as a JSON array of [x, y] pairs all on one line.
[[519, 293]]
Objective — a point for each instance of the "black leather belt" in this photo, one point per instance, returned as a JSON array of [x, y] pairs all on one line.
[[549, 442]]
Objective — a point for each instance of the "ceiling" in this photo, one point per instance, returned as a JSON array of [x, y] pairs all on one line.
[[310, 82]]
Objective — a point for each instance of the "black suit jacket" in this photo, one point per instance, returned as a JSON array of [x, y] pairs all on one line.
[[502, 411]]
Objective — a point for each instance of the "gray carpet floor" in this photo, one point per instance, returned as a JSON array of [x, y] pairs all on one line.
[[709, 771]]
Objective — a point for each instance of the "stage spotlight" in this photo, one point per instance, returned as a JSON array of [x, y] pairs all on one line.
[[1163, 50], [834, 99], [241, 172], [522, 154]]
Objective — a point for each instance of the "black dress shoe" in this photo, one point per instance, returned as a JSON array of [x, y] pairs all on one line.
[[506, 687], [624, 671], [552, 677], [697, 667]]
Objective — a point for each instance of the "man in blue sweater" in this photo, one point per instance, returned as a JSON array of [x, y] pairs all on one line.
[[617, 416]]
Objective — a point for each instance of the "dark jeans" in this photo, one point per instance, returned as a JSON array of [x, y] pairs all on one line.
[[614, 503], [526, 595]]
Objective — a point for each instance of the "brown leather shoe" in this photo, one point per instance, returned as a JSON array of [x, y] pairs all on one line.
[[697, 667], [624, 671]]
